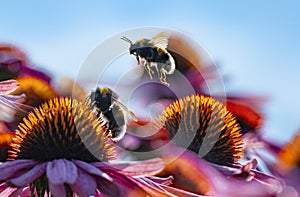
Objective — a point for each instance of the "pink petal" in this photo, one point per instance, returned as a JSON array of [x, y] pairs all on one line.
[[85, 184], [10, 168], [152, 188], [163, 181], [26, 192], [57, 190], [179, 192], [147, 167], [61, 171], [92, 169], [8, 86], [29, 176], [8, 192], [121, 186], [3, 186]]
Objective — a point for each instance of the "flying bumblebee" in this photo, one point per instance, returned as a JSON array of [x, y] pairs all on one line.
[[153, 54], [106, 103]]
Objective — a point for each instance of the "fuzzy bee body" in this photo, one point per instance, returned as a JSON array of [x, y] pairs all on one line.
[[153, 54], [107, 105]]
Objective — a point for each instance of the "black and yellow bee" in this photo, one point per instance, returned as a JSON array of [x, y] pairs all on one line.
[[107, 105], [153, 53]]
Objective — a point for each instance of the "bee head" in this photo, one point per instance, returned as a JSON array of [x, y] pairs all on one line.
[[133, 46], [102, 98]]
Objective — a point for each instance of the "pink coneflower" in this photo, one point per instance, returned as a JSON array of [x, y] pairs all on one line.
[[204, 126], [61, 149]]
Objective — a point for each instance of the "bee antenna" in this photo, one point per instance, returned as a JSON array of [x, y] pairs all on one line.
[[126, 39]]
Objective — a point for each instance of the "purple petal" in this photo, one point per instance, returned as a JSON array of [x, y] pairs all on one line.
[[61, 171], [147, 167], [92, 169], [29, 176], [57, 190], [8, 86], [10, 168], [85, 185]]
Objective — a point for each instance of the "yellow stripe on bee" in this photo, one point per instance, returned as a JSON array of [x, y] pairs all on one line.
[[105, 90], [141, 41]]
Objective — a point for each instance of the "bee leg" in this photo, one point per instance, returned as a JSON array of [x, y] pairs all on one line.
[[150, 72], [163, 77]]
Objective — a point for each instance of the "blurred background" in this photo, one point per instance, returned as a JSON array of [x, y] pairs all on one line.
[[256, 44]]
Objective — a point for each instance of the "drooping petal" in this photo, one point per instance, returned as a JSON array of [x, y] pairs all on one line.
[[8, 86], [10, 168], [147, 167], [29, 176], [85, 185], [125, 185], [9, 105], [26, 192], [92, 169], [57, 190], [61, 171], [56, 171], [108, 188], [190, 172], [71, 172]]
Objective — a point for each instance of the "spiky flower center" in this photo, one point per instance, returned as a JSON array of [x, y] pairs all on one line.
[[61, 128], [204, 126]]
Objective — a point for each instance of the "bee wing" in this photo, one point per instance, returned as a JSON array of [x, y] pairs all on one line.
[[132, 115], [160, 40]]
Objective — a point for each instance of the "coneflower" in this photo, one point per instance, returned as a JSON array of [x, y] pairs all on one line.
[[203, 125], [61, 149]]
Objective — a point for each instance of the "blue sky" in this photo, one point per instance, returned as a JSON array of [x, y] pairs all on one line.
[[256, 42]]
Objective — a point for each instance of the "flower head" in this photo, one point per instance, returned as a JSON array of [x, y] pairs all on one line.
[[62, 149], [58, 127], [203, 125]]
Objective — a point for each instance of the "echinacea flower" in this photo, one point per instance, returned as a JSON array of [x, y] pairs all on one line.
[[36, 90], [204, 126], [61, 149], [9, 103]]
